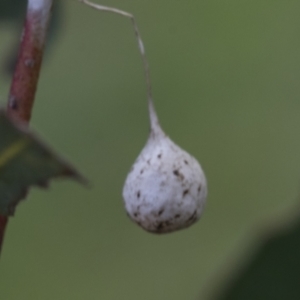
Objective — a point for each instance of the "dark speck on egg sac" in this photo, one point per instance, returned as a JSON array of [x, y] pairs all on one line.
[[185, 192], [161, 211], [178, 174]]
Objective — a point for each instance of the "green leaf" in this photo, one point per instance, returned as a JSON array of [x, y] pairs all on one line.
[[25, 161], [273, 273]]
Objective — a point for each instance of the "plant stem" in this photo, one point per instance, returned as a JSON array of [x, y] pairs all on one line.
[[3, 222], [26, 74]]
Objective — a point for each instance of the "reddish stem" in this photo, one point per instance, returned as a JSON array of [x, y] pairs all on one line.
[[3, 222], [26, 75]]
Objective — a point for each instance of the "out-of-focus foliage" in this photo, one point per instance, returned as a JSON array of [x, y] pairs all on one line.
[[13, 11], [273, 273], [25, 161]]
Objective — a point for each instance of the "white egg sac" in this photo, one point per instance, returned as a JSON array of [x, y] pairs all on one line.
[[166, 188]]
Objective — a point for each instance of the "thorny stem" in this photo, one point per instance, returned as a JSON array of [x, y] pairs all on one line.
[[26, 74], [154, 122]]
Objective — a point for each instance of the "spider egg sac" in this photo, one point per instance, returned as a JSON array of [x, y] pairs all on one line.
[[166, 188]]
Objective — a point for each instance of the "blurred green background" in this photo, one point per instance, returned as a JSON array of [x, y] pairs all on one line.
[[225, 79]]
